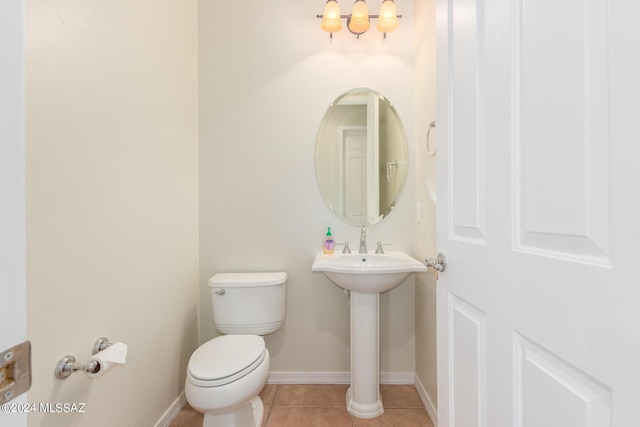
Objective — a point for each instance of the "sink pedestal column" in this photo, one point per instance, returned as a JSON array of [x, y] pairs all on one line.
[[363, 397]]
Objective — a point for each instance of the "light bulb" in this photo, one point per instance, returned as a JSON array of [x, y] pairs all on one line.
[[388, 20], [331, 17], [359, 21]]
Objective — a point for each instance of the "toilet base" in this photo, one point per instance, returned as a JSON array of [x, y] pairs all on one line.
[[250, 415]]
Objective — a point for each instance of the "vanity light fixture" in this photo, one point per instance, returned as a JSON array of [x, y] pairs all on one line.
[[359, 20], [331, 17]]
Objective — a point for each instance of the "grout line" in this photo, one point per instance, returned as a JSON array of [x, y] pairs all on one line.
[[275, 394], [273, 400]]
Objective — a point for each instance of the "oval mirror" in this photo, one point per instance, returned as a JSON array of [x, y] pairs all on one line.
[[361, 157]]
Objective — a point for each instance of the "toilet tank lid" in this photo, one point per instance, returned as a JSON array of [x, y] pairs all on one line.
[[242, 280]]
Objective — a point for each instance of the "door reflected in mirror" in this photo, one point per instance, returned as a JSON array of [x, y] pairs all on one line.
[[361, 157]]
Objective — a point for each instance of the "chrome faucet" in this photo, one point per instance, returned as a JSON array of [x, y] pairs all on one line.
[[363, 240]]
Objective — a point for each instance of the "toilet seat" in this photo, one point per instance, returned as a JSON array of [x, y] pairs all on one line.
[[225, 359]]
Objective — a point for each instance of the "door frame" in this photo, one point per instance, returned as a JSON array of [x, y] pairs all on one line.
[[12, 186]]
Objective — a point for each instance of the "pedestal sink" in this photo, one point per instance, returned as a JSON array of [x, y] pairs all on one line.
[[365, 276]]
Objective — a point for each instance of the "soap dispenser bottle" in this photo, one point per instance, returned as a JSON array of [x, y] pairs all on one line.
[[328, 244]]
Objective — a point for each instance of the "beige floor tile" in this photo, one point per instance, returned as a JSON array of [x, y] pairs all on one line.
[[267, 411], [308, 417], [397, 418], [400, 396], [311, 395], [188, 417], [267, 394]]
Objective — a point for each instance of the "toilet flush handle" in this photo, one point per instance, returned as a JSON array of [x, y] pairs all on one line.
[[220, 291]]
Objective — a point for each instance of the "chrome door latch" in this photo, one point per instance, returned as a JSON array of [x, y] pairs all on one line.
[[439, 264], [15, 371]]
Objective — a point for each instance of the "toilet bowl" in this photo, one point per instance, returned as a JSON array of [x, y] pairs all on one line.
[[224, 378], [226, 374]]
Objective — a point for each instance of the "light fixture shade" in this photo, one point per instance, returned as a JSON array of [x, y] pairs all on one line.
[[359, 20], [331, 17], [388, 20]]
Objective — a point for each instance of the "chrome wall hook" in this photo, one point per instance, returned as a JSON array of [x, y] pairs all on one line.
[[431, 126], [389, 165]]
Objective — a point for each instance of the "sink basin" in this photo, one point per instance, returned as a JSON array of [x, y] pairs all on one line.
[[367, 273]]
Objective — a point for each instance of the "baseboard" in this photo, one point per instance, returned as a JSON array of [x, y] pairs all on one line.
[[172, 412], [397, 378], [335, 378], [426, 401], [309, 378]]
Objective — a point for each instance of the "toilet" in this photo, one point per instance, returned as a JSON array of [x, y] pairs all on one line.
[[226, 374]]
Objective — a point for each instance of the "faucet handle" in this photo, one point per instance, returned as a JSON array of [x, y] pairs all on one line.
[[379, 249], [346, 249]]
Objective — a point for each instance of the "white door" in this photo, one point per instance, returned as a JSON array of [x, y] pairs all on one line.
[[373, 158], [539, 213], [354, 141], [12, 188]]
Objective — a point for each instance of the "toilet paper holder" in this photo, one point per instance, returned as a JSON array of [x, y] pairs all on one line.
[[68, 364]]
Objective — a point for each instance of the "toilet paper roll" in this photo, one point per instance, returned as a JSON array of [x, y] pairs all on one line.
[[106, 359]]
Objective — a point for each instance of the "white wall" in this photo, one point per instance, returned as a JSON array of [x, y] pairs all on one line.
[[425, 194], [112, 188], [267, 75], [12, 187]]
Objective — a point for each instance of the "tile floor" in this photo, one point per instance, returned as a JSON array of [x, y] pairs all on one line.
[[320, 405]]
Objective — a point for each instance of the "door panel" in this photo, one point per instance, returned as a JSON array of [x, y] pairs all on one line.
[[467, 175], [542, 379], [538, 213], [468, 372], [561, 127]]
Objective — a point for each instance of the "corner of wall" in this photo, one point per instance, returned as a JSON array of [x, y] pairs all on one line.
[[425, 199]]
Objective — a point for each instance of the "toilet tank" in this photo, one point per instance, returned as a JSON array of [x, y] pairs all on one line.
[[248, 303]]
